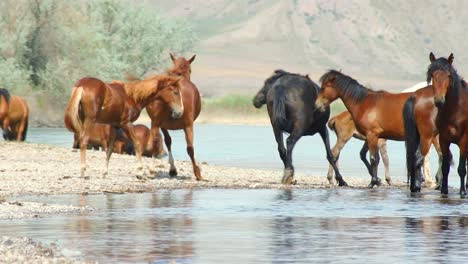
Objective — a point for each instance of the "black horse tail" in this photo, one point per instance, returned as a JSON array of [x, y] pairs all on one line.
[[279, 107], [411, 137]]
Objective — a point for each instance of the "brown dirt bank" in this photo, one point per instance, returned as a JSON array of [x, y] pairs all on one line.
[[28, 168]]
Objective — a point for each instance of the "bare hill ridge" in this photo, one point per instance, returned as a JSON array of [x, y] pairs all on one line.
[[383, 44]]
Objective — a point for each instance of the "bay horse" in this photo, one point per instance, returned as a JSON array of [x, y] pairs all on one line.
[[345, 129], [451, 98], [163, 118], [376, 114], [117, 104], [289, 98], [14, 115]]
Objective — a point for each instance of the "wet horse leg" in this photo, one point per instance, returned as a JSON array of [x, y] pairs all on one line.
[[336, 150], [130, 131], [446, 160], [168, 142], [438, 177], [330, 158], [362, 154], [383, 152], [157, 141], [462, 164], [372, 142], [288, 175], [279, 140], [190, 150], [424, 149], [110, 148]]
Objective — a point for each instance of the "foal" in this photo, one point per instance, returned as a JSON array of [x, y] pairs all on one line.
[[14, 115], [117, 104]]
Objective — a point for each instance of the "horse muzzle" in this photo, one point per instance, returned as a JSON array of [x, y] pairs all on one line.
[[259, 100], [320, 106], [176, 114], [439, 101]]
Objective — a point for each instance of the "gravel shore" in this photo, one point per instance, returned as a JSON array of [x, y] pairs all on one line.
[[36, 169]]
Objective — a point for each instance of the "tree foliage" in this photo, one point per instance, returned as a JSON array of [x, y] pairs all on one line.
[[47, 45]]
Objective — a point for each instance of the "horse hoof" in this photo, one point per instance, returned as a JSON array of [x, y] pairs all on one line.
[[389, 182], [415, 189], [343, 184], [173, 173], [437, 187], [462, 193]]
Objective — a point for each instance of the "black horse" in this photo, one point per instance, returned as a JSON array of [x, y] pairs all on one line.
[[290, 100]]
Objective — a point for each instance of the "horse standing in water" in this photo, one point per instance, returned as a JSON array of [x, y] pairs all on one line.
[[375, 113], [14, 115], [118, 104], [289, 99], [343, 126], [162, 116], [451, 99]]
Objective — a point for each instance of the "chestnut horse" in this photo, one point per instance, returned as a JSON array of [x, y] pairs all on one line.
[[376, 114], [451, 98], [117, 104], [143, 133], [343, 126], [14, 114], [162, 116], [289, 98]]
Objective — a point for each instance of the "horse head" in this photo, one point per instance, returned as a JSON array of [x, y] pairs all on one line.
[[171, 93], [181, 66], [328, 92], [444, 77], [260, 97]]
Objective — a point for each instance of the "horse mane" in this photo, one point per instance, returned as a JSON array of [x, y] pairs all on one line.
[[347, 85], [142, 90], [4, 92], [442, 64]]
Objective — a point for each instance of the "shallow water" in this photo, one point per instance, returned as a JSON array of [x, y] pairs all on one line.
[[255, 147], [258, 226]]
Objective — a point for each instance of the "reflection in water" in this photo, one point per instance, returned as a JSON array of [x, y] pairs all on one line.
[[258, 226]]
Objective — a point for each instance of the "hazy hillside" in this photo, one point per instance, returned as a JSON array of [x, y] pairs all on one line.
[[384, 44]]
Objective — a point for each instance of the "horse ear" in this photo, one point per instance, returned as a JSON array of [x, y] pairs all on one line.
[[450, 58], [192, 59], [432, 57], [172, 56]]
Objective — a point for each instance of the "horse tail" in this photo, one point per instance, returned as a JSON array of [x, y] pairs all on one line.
[[72, 118], [279, 107], [411, 136]]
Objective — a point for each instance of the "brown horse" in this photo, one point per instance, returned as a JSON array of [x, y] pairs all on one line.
[[14, 114], [343, 126], [451, 97], [99, 136], [162, 117], [375, 113], [117, 104]]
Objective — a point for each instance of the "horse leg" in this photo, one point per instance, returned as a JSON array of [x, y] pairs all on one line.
[[189, 139], [279, 140], [462, 165], [336, 150], [423, 161], [331, 159], [383, 152], [446, 159], [168, 142], [362, 154], [20, 130], [84, 138], [288, 175], [110, 148], [156, 141], [372, 142], [435, 143], [130, 131]]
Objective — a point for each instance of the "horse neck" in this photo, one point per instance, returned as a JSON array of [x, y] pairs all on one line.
[[142, 91], [353, 107]]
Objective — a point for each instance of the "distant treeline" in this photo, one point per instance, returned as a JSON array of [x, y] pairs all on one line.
[[47, 45]]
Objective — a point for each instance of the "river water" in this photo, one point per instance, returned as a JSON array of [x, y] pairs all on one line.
[[257, 226]]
